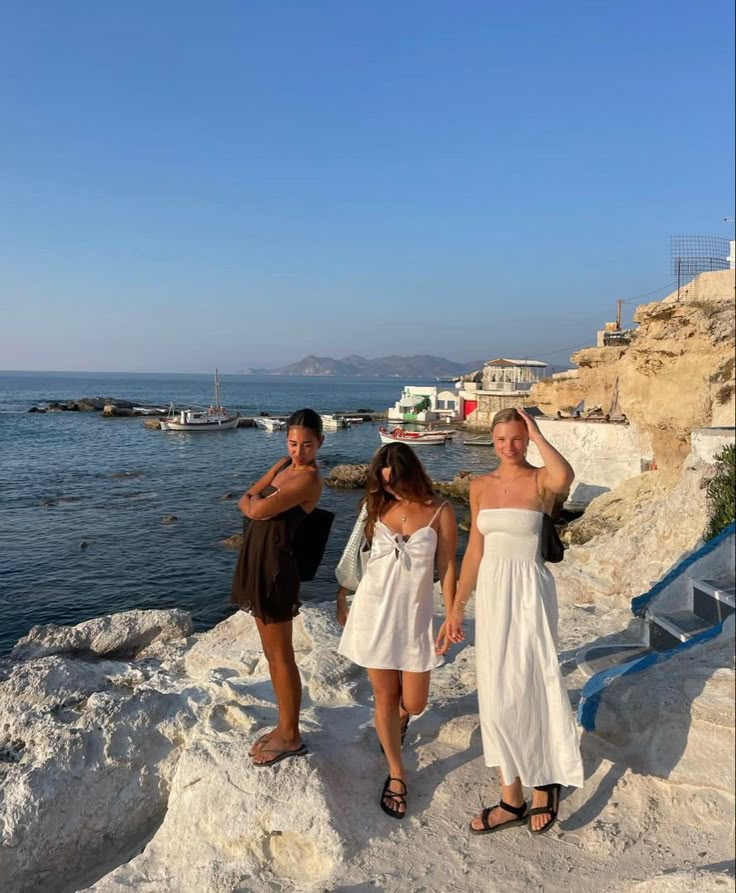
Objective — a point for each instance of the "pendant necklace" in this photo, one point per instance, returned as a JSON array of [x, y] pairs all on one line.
[[511, 480]]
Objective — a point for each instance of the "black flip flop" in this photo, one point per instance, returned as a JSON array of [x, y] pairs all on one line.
[[520, 811], [281, 755], [553, 805], [396, 799]]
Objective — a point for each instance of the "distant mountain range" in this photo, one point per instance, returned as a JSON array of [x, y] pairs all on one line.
[[417, 366]]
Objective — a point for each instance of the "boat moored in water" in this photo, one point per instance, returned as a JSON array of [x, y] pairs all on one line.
[[333, 422], [414, 438], [266, 423], [215, 418]]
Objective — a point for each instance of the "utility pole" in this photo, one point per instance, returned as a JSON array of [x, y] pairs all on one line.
[[619, 302]]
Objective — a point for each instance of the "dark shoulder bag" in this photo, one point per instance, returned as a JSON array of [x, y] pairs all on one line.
[[310, 540], [552, 548]]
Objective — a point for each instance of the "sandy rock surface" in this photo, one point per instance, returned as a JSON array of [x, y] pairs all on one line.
[[134, 775]]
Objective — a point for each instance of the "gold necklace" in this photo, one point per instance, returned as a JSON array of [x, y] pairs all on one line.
[[399, 502], [505, 488]]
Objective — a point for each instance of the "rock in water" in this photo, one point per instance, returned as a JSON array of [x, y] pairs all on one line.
[[125, 633]]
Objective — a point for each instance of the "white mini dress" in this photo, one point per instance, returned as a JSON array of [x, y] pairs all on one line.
[[389, 626]]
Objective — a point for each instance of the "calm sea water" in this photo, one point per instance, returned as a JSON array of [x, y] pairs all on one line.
[[73, 478]]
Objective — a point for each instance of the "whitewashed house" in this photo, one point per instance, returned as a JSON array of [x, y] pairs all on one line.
[[426, 404]]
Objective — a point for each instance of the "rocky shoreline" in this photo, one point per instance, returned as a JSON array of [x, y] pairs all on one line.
[[124, 757]]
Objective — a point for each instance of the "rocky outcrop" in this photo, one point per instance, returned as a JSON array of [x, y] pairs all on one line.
[[629, 538], [676, 375], [355, 477], [347, 477], [457, 488], [127, 634], [119, 775], [613, 510]]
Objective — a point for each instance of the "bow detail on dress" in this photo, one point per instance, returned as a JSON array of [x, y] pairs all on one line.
[[393, 542]]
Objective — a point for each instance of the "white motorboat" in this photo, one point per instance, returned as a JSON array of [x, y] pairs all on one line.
[[266, 423], [215, 418], [333, 422], [414, 438]]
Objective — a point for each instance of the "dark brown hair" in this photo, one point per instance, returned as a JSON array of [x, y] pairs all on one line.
[[407, 479], [305, 418]]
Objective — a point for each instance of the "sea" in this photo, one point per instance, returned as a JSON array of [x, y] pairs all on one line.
[[82, 497]]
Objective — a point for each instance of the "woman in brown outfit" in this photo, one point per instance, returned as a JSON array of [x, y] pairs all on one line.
[[266, 579]]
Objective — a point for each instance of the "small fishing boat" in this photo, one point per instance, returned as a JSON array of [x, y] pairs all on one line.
[[414, 438], [478, 441], [215, 418], [333, 422], [266, 423]]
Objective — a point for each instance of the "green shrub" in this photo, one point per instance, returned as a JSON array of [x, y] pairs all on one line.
[[721, 492]]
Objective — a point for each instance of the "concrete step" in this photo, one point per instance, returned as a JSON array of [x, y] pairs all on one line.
[[596, 658], [713, 600], [670, 630]]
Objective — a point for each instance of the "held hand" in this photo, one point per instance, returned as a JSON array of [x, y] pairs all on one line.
[[455, 632], [442, 642], [531, 426], [342, 609]]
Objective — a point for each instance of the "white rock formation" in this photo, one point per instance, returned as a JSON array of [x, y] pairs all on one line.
[[125, 634], [119, 775]]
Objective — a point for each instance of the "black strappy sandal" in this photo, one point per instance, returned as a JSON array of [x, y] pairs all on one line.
[[396, 799], [520, 811], [551, 809]]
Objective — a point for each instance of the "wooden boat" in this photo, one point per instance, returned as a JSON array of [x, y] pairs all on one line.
[[414, 438], [478, 441], [215, 418]]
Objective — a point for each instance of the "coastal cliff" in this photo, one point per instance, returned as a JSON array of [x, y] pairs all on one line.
[[677, 373]]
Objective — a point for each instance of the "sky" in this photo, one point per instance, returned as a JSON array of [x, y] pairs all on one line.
[[186, 185]]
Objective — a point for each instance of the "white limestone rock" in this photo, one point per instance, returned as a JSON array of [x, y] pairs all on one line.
[[125, 634], [87, 751], [675, 720], [231, 826], [656, 527]]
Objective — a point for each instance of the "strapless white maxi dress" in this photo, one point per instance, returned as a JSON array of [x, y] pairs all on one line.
[[527, 724], [389, 626]]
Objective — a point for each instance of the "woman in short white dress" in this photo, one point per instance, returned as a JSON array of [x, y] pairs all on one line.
[[527, 724], [389, 628]]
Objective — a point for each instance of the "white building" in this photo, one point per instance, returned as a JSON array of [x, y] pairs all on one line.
[[426, 404], [503, 375]]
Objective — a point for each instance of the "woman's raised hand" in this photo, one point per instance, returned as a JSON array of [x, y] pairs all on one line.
[[531, 426]]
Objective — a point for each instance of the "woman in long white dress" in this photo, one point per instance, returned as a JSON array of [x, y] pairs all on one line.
[[389, 628], [527, 725]]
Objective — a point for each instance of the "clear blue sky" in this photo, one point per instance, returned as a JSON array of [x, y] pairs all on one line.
[[190, 184]]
